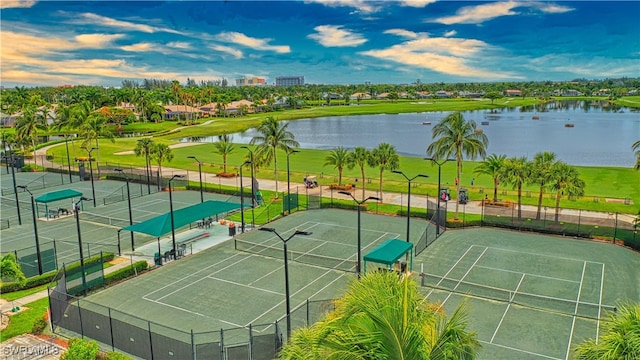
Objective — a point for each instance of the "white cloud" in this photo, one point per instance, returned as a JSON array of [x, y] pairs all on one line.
[[416, 3], [180, 45], [228, 50], [6, 4], [401, 32], [99, 20], [364, 6], [450, 33], [96, 40], [488, 11], [336, 36], [450, 56], [254, 43]]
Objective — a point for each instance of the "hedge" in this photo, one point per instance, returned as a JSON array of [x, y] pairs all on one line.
[[48, 277], [121, 274]]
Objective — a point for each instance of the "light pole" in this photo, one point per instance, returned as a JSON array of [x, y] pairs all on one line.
[[409, 180], [286, 270], [439, 163], [93, 189], [253, 190], [15, 188], [242, 197], [358, 267], [173, 226], [76, 212], [66, 144], [200, 172], [35, 228], [129, 203], [292, 151]]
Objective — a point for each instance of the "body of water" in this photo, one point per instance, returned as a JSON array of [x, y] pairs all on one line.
[[599, 136]]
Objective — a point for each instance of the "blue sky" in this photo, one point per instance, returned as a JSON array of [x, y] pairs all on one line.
[[50, 43]]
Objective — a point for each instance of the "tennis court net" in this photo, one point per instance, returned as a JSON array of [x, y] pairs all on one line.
[[102, 219], [541, 302], [298, 256]]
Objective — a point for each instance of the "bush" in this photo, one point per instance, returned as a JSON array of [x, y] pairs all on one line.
[[81, 350], [39, 326], [126, 272], [112, 355]]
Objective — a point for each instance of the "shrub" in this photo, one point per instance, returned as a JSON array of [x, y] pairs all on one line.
[[81, 350], [126, 272], [39, 326], [112, 355]]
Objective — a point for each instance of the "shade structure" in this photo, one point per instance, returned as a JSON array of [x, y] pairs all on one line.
[[389, 252], [58, 195], [161, 225]]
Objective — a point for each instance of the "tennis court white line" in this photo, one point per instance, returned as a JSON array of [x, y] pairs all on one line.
[[534, 275], [575, 310], [445, 275], [600, 304], [506, 310], [551, 256], [463, 276], [347, 227], [244, 285], [264, 276], [522, 351]]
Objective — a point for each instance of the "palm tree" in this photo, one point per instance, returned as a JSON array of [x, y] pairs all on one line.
[[516, 171], [339, 158], [273, 136], [492, 166], [636, 147], [160, 153], [384, 157], [457, 137], [620, 337], [28, 124], [383, 316], [92, 129], [224, 147], [359, 157], [541, 174], [143, 147], [565, 180]]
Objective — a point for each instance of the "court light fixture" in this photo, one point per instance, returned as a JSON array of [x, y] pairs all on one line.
[[359, 203], [126, 177], [35, 227], [409, 180]]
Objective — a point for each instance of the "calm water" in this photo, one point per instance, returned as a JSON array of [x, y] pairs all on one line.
[[600, 136]]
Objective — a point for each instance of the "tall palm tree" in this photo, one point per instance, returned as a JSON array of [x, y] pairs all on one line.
[[620, 337], [273, 136], [492, 166], [457, 137], [160, 153], [384, 157], [517, 172], [143, 147], [359, 157], [339, 158], [636, 147], [565, 179], [27, 126], [224, 147], [383, 316], [92, 129], [541, 174]]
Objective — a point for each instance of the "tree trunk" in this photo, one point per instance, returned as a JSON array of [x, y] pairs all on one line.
[[520, 202], [558, 205], [540, 201], [380, 186], [363, 179]]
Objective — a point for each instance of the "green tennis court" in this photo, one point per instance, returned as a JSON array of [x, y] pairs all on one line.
[[529, 296]]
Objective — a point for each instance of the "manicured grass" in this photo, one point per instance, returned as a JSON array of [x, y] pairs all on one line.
[[22, 293], [22, 323]]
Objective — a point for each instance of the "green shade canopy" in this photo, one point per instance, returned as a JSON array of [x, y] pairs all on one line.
[[58, 195], [161, 225], [389, 252]]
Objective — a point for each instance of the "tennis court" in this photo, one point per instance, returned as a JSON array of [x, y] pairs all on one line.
[[529, 296]]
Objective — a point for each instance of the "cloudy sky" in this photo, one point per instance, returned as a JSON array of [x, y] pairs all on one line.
[[49, 43]]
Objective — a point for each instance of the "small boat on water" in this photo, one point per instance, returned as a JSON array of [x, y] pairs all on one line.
[[485, 123], [535, 117], [426, 123], [569, 125]]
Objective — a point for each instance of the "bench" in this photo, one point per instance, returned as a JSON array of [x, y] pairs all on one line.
[[53, 214]]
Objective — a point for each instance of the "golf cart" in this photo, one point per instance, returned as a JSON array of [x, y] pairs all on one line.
[[463, 196], [310, 182]]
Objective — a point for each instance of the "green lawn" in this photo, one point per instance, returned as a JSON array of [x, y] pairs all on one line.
[[22, 323]]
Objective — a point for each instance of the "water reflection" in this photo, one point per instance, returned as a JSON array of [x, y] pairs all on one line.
[[602, 134]]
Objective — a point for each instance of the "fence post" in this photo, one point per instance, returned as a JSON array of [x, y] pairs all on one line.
[[113, 347], [579, 218], [150, 339], [221, 343], [615, 229], [250, 342], [193, 346], [79, 317]]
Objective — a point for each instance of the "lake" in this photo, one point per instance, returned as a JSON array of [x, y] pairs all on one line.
[[600, 136]]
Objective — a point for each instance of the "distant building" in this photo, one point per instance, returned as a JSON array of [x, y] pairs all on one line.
[[513, 93], [253, 81], [289, 80]]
